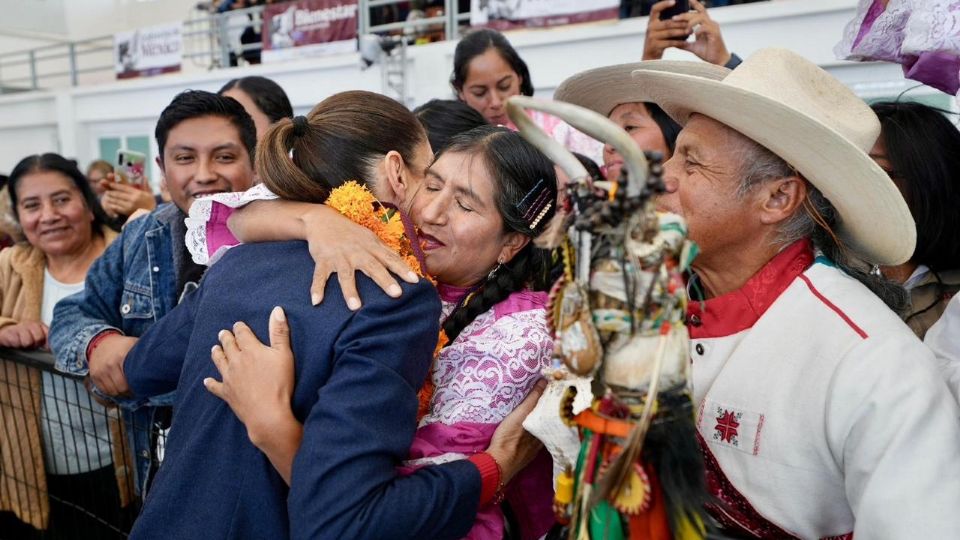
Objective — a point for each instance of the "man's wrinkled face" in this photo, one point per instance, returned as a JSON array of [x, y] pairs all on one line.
[[701, 182]]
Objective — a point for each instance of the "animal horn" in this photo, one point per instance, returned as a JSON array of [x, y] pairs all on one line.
[[516, 109], [587, 121]]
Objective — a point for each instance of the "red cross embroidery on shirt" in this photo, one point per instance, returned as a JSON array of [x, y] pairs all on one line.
[[727, 426]]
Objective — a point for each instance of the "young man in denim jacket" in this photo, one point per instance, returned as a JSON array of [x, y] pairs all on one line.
[[206, 144]]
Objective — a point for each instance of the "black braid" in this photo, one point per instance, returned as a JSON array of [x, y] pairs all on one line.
[[506, 281], [512, 277], [525, 195]]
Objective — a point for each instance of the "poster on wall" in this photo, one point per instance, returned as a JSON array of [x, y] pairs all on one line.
[[309, 28], [148, 51], [507, 14]]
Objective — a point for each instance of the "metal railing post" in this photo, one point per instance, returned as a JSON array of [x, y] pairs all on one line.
[[72, 50], [33, 68], [223, 32], [212, 44], [453, 12], [363, 18], [403, 73]]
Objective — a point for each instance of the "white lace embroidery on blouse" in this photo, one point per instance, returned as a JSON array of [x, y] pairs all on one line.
[[933, 27], [906, 27], [199, 218], [492, 365]]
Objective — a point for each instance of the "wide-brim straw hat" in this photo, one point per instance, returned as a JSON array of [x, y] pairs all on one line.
[[602, 89], [799, 112]]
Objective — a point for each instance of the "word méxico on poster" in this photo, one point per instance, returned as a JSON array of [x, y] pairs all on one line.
[[148, 51]]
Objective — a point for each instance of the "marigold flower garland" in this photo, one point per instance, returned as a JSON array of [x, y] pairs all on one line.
[[358, 204]]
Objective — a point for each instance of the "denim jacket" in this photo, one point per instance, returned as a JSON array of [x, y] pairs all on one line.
[[128, 289]]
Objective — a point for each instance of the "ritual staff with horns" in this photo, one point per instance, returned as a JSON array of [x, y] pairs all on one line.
[[820, 415]]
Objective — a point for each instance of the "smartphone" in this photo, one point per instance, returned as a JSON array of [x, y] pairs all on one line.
[[130, 167], [680, 7]]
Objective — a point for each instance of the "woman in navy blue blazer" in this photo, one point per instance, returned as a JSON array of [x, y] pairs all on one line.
[[484, 198], [357, 372]]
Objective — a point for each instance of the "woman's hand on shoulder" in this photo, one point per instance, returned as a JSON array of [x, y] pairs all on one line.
[[338, 245], [258, 379], [24, 335]]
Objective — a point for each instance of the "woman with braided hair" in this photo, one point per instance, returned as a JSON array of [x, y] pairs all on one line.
[[488, 182], [319, 457], [481, 202]]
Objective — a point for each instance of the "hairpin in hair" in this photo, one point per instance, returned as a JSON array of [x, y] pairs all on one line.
[[536, 204], [536, 221], [529, 194]]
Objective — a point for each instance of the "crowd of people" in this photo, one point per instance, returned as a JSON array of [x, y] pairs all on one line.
[[336, 323]]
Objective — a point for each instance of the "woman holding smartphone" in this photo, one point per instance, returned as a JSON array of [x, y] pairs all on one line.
[[121, 197], [671, 24]]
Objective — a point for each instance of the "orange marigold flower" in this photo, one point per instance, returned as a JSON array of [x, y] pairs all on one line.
[[357, 203], [442, 341], [353, 201]]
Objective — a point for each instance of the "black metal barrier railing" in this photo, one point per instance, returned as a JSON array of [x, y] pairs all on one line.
[[66, 460]]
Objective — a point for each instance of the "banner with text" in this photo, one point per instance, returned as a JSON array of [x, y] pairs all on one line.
[[507, 14], [309, 28], [148, 51]]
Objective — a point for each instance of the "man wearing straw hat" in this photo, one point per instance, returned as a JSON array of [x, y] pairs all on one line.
[[820, 413]]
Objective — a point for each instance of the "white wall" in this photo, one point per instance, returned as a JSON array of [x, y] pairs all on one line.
[[29, 23], [90, 18], [34, 16], [28, 125], [21, 42], [71, 120]]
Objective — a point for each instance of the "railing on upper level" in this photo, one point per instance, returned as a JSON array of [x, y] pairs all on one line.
[[210, 41], [62, 62], [213, 41], [447, 18]]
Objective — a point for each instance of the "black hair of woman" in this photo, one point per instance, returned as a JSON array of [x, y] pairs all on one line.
[[266, 94], [923, 148], [669, 128], [445, 118], [480, 41], [343, 138], [51, 162], [525, 185]]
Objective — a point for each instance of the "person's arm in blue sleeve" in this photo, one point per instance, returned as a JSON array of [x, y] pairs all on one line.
[[153, 365], [345, 482], [733, 62], [79, 318]]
